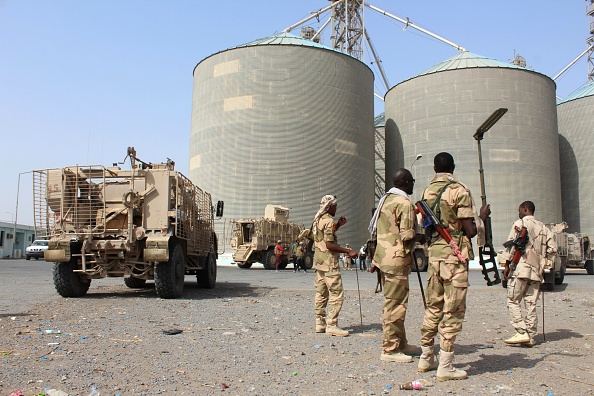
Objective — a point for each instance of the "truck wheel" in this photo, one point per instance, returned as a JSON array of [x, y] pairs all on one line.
[[269, 259], [284, 262], [135, 283], [590, 267], [309, 260], [207, 278], [559, 280], [170, 275], [67, 282], [244, 265], [421, 261]]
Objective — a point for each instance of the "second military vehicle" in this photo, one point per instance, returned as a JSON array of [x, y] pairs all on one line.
[[254, 239], [574, 249], [148, 222]]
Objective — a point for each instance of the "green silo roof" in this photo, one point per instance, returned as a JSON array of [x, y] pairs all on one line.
[[285, 39], [582, 92], [468, 60], [379, 120]]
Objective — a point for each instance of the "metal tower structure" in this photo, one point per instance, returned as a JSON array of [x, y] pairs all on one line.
[[347, 27], [590, 40]]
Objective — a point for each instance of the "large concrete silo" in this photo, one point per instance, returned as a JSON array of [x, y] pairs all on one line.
[[576, 145], [440, 110], [283, 120]]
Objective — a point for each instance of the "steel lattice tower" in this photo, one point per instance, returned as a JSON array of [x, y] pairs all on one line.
[[347, 27], [590, 40]]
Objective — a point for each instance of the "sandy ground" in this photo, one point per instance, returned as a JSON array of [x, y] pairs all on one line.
[[256, 338]]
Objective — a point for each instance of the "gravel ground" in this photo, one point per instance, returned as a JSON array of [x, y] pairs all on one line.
[[240, 339]]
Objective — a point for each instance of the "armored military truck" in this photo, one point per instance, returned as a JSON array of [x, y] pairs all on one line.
[[254, 239], [145, 223], [574, 249]]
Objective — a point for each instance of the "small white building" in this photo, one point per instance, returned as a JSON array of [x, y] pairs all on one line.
[[13, 245]]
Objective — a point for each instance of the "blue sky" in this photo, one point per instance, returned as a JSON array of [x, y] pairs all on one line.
[[80, 81]]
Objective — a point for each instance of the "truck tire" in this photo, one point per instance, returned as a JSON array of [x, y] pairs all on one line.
[[269, 259], [309, 260], [67, 282], [561, 277], [207, 277], [590, 267], [170, 275], [135, 283], [421, 261], [244, 265]]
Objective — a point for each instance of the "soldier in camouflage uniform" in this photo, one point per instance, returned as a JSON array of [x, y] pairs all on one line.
[[395, 221], [328, 281], [447, 277], [527, 275]]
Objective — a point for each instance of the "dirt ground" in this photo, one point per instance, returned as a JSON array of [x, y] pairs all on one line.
[[247, 340]]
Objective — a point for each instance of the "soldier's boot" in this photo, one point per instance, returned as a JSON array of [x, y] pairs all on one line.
[[334, 330], [320, 325], [396, 357], [446, 371], [409, 349], [427, 360], [518, 338]]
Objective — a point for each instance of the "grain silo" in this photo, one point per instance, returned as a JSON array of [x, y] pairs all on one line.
[[576, 145], [284, 120], [440, 110], [380, 156]]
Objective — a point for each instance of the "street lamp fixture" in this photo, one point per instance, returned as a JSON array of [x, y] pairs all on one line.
[[419, 156]]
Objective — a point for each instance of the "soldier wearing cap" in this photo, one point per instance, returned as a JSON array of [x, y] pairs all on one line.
[[328, 280]]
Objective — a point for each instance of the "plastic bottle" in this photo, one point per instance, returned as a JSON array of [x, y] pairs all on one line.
[[413, 385], [94, 392]]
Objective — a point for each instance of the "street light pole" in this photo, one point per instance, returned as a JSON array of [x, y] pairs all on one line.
[[488, 248], [419, 156], [16, 214]]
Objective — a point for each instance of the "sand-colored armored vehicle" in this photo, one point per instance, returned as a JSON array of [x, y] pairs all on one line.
[[574, 249], [148, 222], [254, 239]]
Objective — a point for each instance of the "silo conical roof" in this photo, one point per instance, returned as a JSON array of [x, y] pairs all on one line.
[[468, 60], [582, 92], [284, 39], [379, 120]]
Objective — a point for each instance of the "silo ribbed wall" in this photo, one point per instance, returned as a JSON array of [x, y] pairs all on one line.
[[441, 112], [284, 124], [576, 145]]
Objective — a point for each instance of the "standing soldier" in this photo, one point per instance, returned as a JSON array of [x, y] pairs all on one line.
[[278, 251], [394, 221], [538, 255], [328, 281], [300, 256], [447, 276]]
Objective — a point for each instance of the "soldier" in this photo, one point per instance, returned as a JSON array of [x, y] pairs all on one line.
[[278, 252], [447, 277], [300, 256], [394, 221], [328, 281], [527, 275]]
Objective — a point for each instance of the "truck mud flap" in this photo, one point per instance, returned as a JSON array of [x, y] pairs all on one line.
[[56, 256], [160, 255]]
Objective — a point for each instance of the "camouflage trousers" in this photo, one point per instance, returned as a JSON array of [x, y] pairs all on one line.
[[527, 290], [447, 283], [395, 303], [329, 293]]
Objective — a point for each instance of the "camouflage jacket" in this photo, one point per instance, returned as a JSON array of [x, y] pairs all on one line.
[[395, 232], [540, 249], [325, 231], [455, 204]]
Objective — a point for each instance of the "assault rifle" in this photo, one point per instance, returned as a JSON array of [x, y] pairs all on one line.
[[431, 220], [519, 244]]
